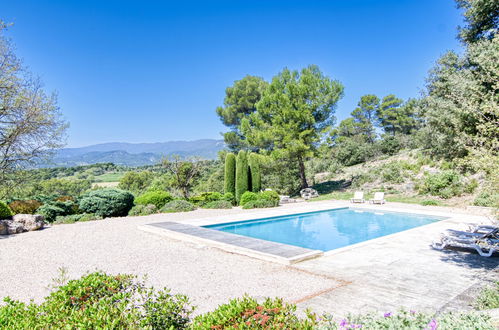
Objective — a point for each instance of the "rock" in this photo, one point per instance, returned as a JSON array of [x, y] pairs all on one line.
[[308, 193], [30, 222], [9, 227], [3, 227]]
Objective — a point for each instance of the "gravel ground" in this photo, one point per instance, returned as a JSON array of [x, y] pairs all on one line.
[[29, 262]]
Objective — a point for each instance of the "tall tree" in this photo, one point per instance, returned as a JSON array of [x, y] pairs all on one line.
[[30, 120], [293, 115], [240, 101], [184, 173], [365, 116], [481, 18], [389, 112]]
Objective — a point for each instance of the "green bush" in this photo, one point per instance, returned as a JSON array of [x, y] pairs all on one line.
[[206, 197], [230, 174], [60, 219], [255, 173], [178, 206], [218, 205], [5, 211], [487, 199], [50, 212], [157, 198], [25, 207], [248, 313], [136, 182], [392, 173], [488, 298], [445, 184], [271, 196], [471, 186], [258, 204], [241, 174], [229, 197], [430, 202], [107, 202], [139, 210], [100, 301], [248, 197]]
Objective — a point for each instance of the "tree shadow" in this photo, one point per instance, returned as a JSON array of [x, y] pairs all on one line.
[[469, 258], [332, 186]]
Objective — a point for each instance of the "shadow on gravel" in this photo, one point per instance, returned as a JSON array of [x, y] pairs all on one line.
[[469, 259]]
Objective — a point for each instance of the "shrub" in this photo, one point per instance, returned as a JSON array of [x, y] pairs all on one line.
[[143, 210], [258, 204], [136, 182], [218, 205], [271, 196], [255, 174], [206, 197], [229, 197], [247, 313], [179, 205], [25, 207], [5, 211], [248, 197], [76, 218], [430, 202], [488, 298], [107, 202], [100, 301], [241, 174], [471, 186], [230, 174], [444, 184], [487, 199], [157, 198], [50, 212], [392, 172]]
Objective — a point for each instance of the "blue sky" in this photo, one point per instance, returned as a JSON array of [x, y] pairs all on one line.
[[153, 71]]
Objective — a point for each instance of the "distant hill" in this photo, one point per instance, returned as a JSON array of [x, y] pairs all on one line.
[[135, 154]]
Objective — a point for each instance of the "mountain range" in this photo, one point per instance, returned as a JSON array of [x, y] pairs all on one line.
[[135, 154]]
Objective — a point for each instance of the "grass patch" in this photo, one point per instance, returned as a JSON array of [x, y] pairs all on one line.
[[421, 200], [488, 298], [341, 195], [109, 177]]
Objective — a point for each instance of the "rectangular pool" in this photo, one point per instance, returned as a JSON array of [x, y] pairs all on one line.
[[327, 230]]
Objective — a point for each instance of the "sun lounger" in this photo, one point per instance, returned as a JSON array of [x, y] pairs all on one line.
[[485, 247], [358, 197], [477, 232], [379, 198]]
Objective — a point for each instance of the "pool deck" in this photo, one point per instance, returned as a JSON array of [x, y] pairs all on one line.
[[384, 274]]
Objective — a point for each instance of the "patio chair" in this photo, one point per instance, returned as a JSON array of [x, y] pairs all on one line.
[[358, 197], [485, 247], [379, 198], [476, 232]]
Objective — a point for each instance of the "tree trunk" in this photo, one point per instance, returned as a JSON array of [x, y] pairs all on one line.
[[303, 177]]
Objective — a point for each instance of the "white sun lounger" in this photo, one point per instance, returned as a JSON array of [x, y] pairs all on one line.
[[379, 198], [358, 197], [485, 247]]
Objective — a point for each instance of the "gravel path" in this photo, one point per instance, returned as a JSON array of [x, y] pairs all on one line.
[[29, 262]]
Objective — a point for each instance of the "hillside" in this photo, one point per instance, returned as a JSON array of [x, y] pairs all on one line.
[[135, 154]]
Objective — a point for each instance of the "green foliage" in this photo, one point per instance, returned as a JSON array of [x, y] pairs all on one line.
[[241, 174], [392, 173], [60, 219], [429, 202], [248, 313], [107, 202], [255, 172], [352, 150], [488, 298], [230, 174], [136, 182], [247, 197], [50, 212], [221, 204], [280, 174], [365, 117], [240, 101], [206, 197], [178, 206], [100, 301], [445, 184], [140, 209], [389, 145], [184, 173], [64, 187], [5, 211], [271, 196], [481, 18], [157, 198], [229, 197], [487, 198], [25, 207]]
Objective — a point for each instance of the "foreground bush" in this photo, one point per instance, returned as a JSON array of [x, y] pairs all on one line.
[[218, 205], [251, 200], [100, 301], [206, 197], [247, 313], [489, 297], [76, 218], [25, 207], [5, 211], [107, 202], [157, 198], [143, 210], [178, 206], [445, 184], [50, 212]]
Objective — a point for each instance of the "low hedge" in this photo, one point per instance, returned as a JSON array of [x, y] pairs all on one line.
[[76, 218], [179, 205], [5, 211], [250, 200], [218, 205], [107, 202], [143, 210], [25, 207], [157, 198]]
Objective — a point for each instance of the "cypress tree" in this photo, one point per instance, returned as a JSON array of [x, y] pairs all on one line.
[[241, 174], [256, 178], [230, 174]]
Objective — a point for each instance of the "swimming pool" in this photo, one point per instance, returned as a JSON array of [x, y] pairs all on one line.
[[327, 230]]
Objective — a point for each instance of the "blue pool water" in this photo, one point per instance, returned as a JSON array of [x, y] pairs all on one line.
[[327, 230]]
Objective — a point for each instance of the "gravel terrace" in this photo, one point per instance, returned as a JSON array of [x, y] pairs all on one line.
[[339, 282]]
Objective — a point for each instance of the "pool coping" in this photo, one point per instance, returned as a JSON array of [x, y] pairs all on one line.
[[270, 250]]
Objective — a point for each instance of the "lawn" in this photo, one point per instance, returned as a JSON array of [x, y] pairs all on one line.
[[109, 177]]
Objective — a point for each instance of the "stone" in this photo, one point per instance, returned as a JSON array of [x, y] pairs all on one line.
[[308, 193], [30, 222], [3, 227]]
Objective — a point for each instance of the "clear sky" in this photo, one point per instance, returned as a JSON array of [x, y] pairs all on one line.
[[154, 71]]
